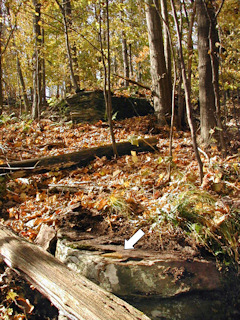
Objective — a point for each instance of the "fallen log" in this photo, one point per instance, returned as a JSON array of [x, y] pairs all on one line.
[[29, 167], [75, 296]]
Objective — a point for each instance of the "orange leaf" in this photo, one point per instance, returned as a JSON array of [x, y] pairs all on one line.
[[101, 204]]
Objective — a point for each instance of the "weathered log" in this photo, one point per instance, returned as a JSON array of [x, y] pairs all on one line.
[[29, 167], [75, 296]]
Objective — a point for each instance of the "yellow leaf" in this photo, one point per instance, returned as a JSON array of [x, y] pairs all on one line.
[[38, 198], [126, 184], [113, 255], [11, 295], [115, 173], [11, 213], [134, 141], [134, 156]]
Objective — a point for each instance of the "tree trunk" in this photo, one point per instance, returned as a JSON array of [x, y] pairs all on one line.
[[213, 38], [187, 95], [125, 58], [206, 92], [1, 74], [44, 100], [75, 296], [190, 46], [75, 64], [130, 61], [160, 80], [37, 61], [22, 83], [124, 52], [65, 7], [70, 60], [167, 48], [107, 85]]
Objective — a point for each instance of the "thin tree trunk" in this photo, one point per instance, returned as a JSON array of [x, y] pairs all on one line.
[[107, 77], [187, 95], [68, 12], [22, 83], [130, 61], [75, 64], [37, 65], [1, 75], [125, 58], [215, 77], [160, 80], [124, 53], [167, 49], [206, 92], [109, 104], [74, 82], [69, 54], [190, 45], [44, 100]]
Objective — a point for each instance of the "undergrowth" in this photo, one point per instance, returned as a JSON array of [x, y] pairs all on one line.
[[207, 220]]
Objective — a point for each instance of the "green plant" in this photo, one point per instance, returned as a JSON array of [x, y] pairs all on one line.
[[118, 205], [202, 217]]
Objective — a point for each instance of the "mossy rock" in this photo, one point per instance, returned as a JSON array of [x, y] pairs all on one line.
[[89, 106]]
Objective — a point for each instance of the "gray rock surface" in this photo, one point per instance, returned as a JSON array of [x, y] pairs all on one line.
[[136, 272]]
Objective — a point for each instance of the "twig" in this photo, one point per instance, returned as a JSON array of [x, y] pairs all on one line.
[[205, 155], [20, 168], [231, 185], [133, 82]]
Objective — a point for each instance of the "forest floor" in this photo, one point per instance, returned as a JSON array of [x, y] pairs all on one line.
[[114, 198]]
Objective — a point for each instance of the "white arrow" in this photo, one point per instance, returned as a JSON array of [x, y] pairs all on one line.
[[134, 239]]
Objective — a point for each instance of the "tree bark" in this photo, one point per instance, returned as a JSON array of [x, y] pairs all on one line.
[[37, 64], [29, 167], [64, 7], [107, 77], [1, 73], [75, 296], [44, 100], [187, 95], [167, 47], [22, 83], [206, 92], [213, 37], [160, 80], [124, 53], [130, 61], [125, 58], [190, 46]]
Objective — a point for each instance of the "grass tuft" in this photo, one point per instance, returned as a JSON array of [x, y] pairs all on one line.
[[208, 221]]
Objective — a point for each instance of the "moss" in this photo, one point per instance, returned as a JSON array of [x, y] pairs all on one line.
[[82, 246]]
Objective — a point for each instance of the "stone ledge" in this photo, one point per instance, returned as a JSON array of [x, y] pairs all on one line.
[[136, 272]]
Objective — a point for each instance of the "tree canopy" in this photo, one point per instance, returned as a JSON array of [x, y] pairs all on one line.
[[126, 17]]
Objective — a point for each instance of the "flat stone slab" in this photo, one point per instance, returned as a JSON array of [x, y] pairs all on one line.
[[137, 272]]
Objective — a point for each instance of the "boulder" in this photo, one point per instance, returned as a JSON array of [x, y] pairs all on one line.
[[89, 106], [136, 272]]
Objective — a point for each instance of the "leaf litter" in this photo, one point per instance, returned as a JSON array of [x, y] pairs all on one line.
[[130, 192], [114, 198]]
